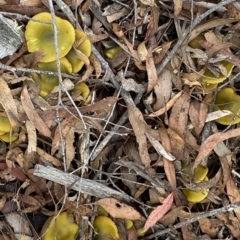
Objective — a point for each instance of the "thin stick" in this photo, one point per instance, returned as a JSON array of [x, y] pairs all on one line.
[[227, 208]]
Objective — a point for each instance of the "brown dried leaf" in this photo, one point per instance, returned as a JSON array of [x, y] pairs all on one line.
[[167, 107], [233, 194], [211, 142], [177, 7], [151, 71], [177, 144], [159, 148], [96, 64], [198, 114], [119, 210], [32, 114], [208, 25], [179, 115], [158, 212], [65, 126], [207, 228], [163, 89], [169, 168], [164, 48], [47, 157], [142, 51], [7, 101], [139, 128], [70, 150], [233, 11]]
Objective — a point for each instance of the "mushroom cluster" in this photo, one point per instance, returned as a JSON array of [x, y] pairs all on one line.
[[72, 44], [226, 98]]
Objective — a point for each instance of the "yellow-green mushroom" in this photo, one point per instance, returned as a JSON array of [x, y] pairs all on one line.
[[227, 99], [200, 174], [105, 228], [48, 82], [61, 228], [39, 35]]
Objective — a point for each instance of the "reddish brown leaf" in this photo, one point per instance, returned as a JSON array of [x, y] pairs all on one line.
[[158, 212]]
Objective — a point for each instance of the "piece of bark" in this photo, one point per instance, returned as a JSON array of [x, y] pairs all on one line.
[[11, 37], [85, 186]]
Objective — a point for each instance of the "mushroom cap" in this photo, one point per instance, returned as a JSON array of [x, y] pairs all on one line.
[[85, 47], [82, 89], [209, 77], [105, 226], [40, 36], [195, 196], [227, 99], [62, 227], [48, 82], [200, 174], [5, 125]]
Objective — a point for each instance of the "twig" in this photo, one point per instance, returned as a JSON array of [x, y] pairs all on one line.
[[197, 20], [29, 70], [227, 208]]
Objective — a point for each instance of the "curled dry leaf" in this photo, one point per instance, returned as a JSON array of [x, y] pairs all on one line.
[[119, 210], [167, 107]]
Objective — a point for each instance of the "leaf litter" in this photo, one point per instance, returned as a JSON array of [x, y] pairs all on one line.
[[140, 138]]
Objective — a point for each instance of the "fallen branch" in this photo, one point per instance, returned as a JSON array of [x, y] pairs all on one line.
[[86, 186]]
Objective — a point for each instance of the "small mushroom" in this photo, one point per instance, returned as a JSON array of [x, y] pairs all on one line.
[[81, 89], [5, 125], [209, 78], [9, 137], [60, 228], [227, 99], [105, 228], [200, 174], [39, 35], [112, 52], [48, 82], [195, 42], [84, 47], [195, 196]]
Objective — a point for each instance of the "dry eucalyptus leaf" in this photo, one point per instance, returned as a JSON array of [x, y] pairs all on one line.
[[139, 128], [119, 210], [163, 89], [32, 114], [142, 51], [177, 7], [7, 101]]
